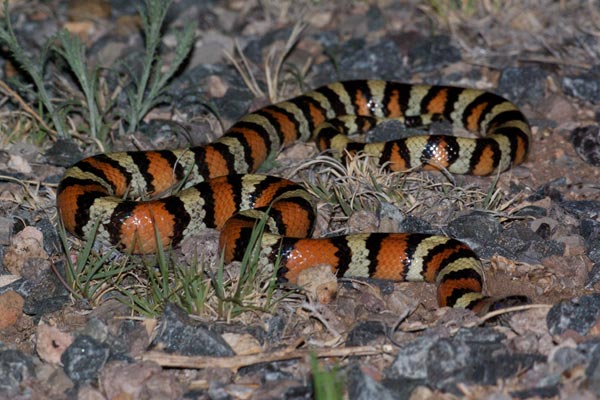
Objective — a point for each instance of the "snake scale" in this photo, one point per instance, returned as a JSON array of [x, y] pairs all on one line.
[[99, 194]]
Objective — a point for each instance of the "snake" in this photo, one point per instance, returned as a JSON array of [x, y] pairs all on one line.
[[137, 201]]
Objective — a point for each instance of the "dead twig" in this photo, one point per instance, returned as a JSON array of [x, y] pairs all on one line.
[[554, 61], [25, 182], [236, 362], [481, 320]]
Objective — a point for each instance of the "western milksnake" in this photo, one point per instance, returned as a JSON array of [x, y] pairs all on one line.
[[91, 194]]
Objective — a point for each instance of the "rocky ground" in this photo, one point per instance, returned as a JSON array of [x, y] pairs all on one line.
[[540, 236]]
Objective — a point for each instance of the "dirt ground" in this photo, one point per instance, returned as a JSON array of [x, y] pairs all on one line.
[[379, 339]]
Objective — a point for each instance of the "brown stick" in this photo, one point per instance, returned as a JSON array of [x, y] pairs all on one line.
[[236, 362]]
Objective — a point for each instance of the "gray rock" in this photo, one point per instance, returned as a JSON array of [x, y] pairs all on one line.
[[476, 229], [591, 351], [586, 141], [517, 238], [364, 332], [582, 208], [477, 360], [327, 39], [525, 245], [99, 331], [532, 211], [578, 314], [541, 249], [189, 97], [276, 327], [523, 84], [590, 230], [131, 339], [255, 49], [255, 331], [549, 189], [594, 276], [201, 12], [64, 153], [432, 53], [6, 227], [235, 103], [375, 18], [592, 373], [272, 372], [586, 354], [160, 128], [391, 130], [414, 224], [218, 391], [585, 86], [472, 356], [178, 333], [84, 359], [51, 239], [382, 60], [544, 230], [45, 295], [362, 387], [15, 366], [411, 359], [480, 335], [567, 357], [593, 250]]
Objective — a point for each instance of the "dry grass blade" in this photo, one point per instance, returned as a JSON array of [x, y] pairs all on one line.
[[355, 181], [508, 310], [360, 183], [273, 66], [245, 70], [30, 197], [274, 63]]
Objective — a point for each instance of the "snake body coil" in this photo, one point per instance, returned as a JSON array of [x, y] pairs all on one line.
[[218, 184]]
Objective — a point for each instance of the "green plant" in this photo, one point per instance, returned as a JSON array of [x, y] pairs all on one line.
[[193, 286], [147, 284], [146, 91], [254, 288], [72, 51], [166, 282], [91, 276], [328, 384], [34, 69], [150, 86]]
